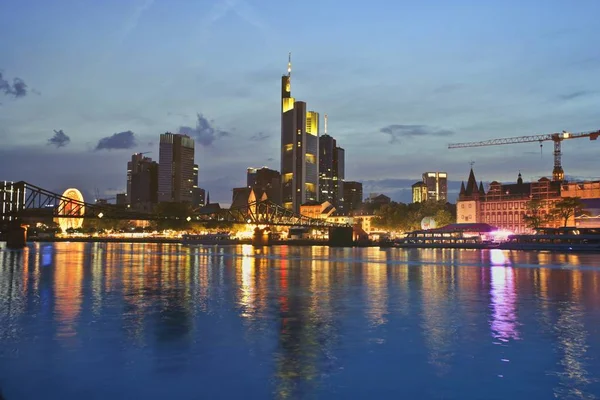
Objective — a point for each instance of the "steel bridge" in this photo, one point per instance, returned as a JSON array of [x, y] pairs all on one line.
[[21, 201]]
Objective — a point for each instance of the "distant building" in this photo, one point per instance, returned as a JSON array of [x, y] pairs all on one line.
[[380, 200], [437, 185], [265, 180], [198, 197], [243, 196], [142, 183], [505, 205], [299, 149], [121, 199], [198, 194], [353, 195], [419, 192], [331, 171], [176, 168]]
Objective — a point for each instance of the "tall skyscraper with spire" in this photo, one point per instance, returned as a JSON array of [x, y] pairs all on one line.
[[299, 148]]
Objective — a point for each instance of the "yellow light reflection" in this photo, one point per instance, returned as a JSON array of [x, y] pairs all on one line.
[[68, 274]]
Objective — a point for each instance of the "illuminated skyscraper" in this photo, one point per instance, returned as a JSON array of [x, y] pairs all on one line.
[[175, 168], [437, 185], [299, 148], [331, 171]]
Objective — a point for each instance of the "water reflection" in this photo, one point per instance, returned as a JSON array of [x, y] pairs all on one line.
[[503, 302], [299, 322]]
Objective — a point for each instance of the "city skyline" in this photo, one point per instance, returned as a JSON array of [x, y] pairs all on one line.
[[94, 98]]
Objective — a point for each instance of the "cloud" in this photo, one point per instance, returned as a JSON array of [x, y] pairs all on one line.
[[204, 133], [260, 136], [18, 88], [574, 95], [397, 132], [121, 140], [60, 139]]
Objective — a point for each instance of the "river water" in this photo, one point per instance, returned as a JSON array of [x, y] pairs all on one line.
[[162, 321]]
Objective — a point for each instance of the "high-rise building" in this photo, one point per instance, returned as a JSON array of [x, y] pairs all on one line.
[[142, 182], [198, 194], [419, 192], [265, 180], [299, 148], [175, 168], [353, 195], [437, 185], [331, 171]]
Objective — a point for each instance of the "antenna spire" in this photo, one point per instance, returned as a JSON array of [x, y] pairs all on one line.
[[290, 64], [472, 163], [326, 124]]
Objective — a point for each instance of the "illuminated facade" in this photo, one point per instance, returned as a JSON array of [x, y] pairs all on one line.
[[505, 205], [317, 209], [437, 185], [176, 168], [69, 208], [299, 149], [331, 171], [419, 192], [11, 199], [589, 193]]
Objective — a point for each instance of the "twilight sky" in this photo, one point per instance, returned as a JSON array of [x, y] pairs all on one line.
[[86, 83]]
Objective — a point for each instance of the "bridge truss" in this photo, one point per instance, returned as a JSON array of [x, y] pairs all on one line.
[[21, 201]]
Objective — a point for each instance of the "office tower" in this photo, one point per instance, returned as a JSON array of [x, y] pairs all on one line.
[[353, 194], [198, 194], [265, 180], [419, 192], [132, 166], [142, 182], [175, 168], [437, 185], [331, 171], [299, 148]]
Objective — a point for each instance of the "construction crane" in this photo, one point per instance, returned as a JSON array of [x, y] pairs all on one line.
[[102, 201], [558, 174]]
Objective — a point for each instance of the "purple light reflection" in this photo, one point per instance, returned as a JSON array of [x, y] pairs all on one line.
[[503, 303]]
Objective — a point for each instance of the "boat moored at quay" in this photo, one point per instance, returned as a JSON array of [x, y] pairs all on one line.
[[555, 239], [455, 236], [483, 236]]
